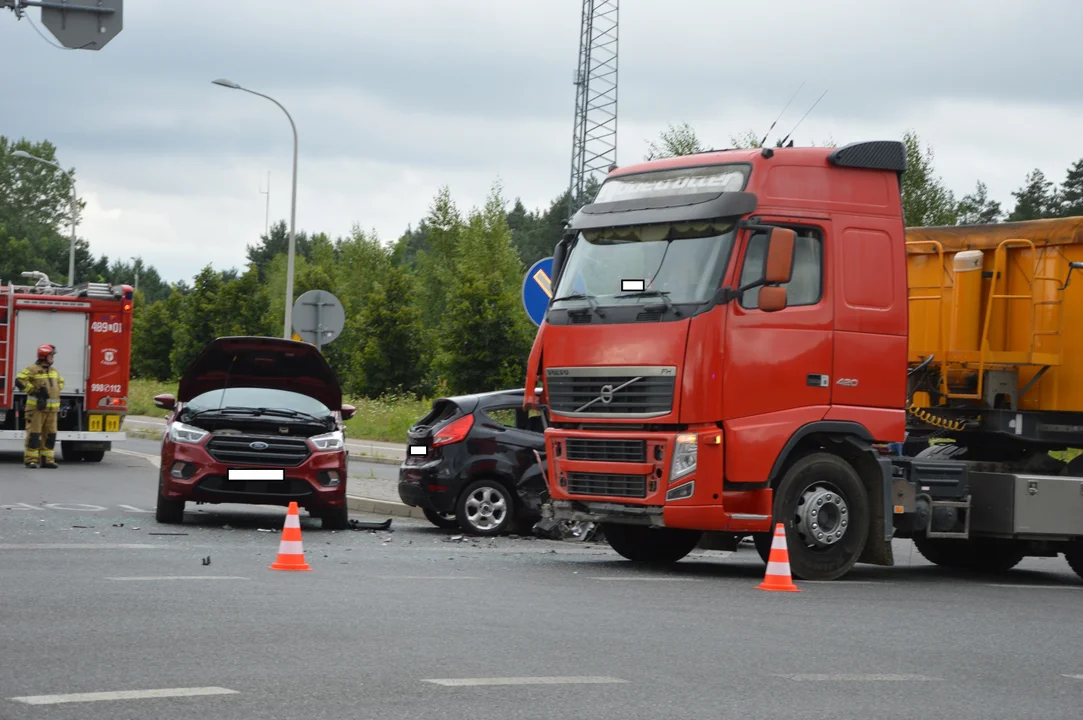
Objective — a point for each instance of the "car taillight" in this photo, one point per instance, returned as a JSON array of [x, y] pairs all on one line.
[[453, 433]]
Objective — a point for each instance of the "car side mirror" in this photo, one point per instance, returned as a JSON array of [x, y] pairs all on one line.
[[348, 411], [165, 401], [778, 265]]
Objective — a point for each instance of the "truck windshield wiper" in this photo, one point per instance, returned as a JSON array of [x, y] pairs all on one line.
[[663, 294], [581, 296]]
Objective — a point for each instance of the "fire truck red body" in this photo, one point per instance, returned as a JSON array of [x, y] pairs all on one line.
[[91, 327]]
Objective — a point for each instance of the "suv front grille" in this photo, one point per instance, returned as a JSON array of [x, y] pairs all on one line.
[[238, 450], [612, 392], [628, 486], [591, 449]]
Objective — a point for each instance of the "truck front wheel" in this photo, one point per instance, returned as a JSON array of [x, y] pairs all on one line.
[[639, 543], [824, 507]]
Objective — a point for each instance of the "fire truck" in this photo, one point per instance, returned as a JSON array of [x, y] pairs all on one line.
[[91, 327], [736, 338]]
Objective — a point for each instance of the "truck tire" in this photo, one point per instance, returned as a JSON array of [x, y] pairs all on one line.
[[824, 507], [942, 451], [95, 456], [981, 555], [1074, 555], [642, 544]]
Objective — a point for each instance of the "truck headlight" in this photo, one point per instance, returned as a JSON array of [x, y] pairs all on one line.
[[330, 441], [181, 433], [684, 457]]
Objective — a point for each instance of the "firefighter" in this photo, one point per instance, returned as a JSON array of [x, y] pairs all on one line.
[[42, 385]]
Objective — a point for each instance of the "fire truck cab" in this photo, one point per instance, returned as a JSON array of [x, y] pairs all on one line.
[[91, 327]]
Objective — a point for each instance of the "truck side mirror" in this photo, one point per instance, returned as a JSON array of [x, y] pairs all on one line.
[[560, 252], [778, 266], [165, 401], [772, 298]]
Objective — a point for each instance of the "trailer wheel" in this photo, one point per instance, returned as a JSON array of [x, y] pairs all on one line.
[[982, 555], [642, 544], [824, 507], [1074, 555]]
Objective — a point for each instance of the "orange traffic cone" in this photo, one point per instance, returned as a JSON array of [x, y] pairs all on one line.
[[778, 576], [291, 554]]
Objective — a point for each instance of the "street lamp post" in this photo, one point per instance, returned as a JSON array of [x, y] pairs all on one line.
[[74, 206], [287, 330]]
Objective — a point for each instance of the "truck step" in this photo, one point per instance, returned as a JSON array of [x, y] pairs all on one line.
[[958, 504]]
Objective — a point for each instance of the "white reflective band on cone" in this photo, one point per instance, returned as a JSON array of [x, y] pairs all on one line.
[[291, 547], [776, 568], [293, 521]]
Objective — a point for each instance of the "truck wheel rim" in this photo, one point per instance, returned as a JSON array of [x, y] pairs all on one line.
[[486, 508], [822, 517]]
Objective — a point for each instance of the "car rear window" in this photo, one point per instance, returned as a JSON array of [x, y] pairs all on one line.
[[442, 411]]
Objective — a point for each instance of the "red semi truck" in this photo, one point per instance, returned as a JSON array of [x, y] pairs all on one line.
[[91, 327], [728, 346]]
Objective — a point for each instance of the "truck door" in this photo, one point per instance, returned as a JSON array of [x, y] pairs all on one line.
[[777, 366]]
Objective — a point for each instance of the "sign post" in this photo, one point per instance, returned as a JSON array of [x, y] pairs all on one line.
[[77, 24], [318, 318], [538, 289]]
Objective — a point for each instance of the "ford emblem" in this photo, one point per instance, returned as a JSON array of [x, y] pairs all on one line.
[[258, 445]]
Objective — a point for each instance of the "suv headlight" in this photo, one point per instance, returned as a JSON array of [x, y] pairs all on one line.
[[684, 457], [330, 441], [181, 433]]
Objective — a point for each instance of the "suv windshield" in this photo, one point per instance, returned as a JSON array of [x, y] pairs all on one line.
[[243, 397], [684, 260]]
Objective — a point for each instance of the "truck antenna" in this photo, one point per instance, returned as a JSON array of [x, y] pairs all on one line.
[[764, 141], [783, 141]]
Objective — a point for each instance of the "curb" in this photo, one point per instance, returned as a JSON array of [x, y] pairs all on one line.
[[383, 507], [376, 459]]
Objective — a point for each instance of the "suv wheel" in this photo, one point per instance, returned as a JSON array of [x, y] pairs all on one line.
[[335, 518], [444, 521], [485, 508], [169, 511]]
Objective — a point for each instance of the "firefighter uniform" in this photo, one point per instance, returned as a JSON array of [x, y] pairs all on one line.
[[42, 385]]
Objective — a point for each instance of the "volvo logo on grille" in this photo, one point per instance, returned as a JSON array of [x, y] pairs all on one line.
[[259, 445], [606, 394]]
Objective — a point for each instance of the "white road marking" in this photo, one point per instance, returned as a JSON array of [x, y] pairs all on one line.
[[842, 583], [154, 460], [179, 577], [75, 507], [859, 677], [1036, 587], [470, 682], [645, 579], [1074, 677], [79, 546], [135, 509], [20, 506], [426, 577], [123, 695]]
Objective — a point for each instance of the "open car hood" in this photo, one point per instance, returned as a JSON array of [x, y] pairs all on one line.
[[262, 362]]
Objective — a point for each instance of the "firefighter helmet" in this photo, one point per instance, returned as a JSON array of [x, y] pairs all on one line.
[[44, 351]]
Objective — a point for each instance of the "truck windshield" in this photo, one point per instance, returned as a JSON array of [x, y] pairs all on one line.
[[684, 260]]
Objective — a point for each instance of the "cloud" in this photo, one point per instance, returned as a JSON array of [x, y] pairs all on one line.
[[394, 98]]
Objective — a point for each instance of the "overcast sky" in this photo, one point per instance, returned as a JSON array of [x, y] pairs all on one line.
[[394, 98]]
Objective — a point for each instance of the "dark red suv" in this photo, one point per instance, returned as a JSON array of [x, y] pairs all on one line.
[[256, 420]]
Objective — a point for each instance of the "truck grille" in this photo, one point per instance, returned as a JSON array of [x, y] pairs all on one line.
[[238, 450], [593, 392], [629, 486], [631, 451]]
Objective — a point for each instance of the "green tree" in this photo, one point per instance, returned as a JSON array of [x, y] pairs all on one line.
[[196, 322], [153, 327], [391, 356], [1071, 192], [1036, 199], [675, 141], [978, 208], [276, 242], [926, 201], [242, 306]]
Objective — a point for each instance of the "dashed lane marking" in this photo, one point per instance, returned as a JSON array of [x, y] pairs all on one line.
[[856, 677], [427, 577], [180, 577], [123, 695], [644, 579], [472, 682], [79, 546], [1035, 587]]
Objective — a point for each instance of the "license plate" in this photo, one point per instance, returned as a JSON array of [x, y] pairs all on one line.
[[257, 474]]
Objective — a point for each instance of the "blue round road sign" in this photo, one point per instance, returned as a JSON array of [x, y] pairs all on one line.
[[538, 289]]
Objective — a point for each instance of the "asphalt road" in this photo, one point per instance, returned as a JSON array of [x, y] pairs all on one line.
[[414, 624]]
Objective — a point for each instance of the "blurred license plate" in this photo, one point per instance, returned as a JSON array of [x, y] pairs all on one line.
[[237, 474]]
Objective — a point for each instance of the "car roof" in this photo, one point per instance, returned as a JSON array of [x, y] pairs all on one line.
[[470, 403]]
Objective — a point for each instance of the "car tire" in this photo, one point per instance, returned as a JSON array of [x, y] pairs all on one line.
[[335, 518], [485, 508], [444, 521], [169, 511]]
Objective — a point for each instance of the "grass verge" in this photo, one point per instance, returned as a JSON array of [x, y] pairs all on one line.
[[383, 420]]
